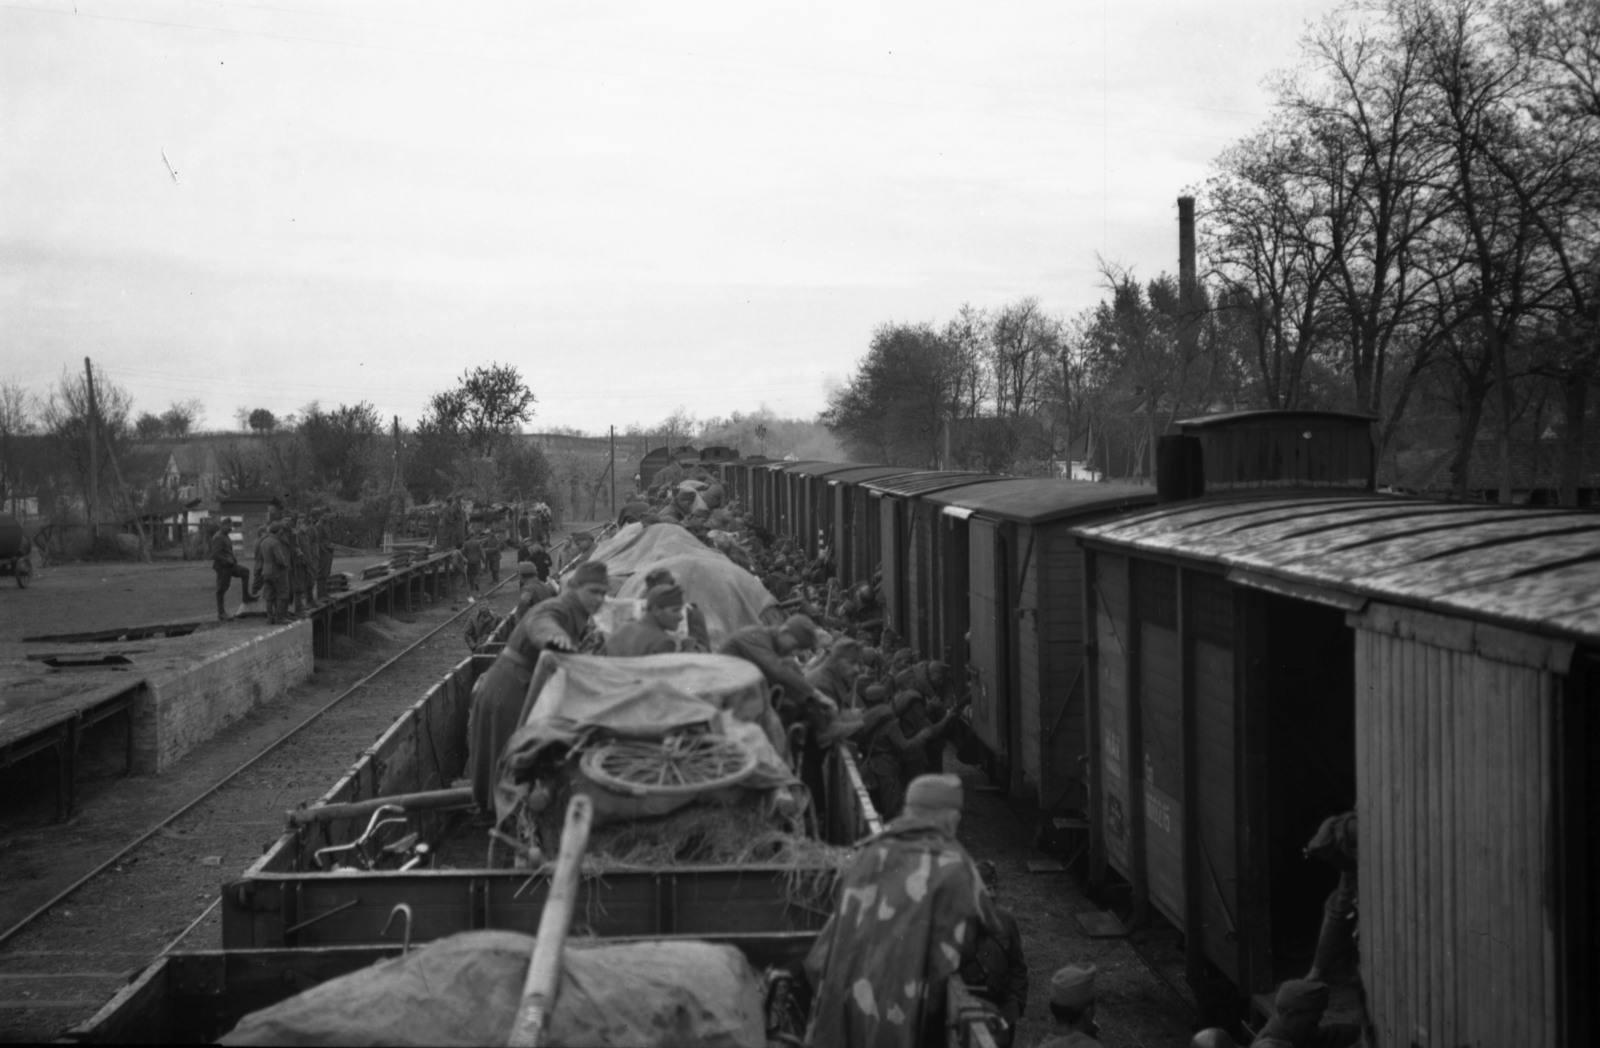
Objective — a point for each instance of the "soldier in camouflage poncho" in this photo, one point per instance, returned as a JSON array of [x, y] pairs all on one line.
[[911, 907]]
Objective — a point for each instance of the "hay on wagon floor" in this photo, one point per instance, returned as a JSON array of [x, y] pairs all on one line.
[[712, 835]]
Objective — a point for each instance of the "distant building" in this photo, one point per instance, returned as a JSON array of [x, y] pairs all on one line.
[[1536, 466]]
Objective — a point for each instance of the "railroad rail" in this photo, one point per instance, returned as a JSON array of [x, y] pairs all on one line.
[[224, 781]]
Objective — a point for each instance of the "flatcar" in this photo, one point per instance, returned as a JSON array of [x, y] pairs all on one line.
[[1277, 644]]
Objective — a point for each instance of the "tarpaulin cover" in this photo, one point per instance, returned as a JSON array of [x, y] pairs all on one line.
[[574, 696], [465, 990], [635, 548], [731, 597]]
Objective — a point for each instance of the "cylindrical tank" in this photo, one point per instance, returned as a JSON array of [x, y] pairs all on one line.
[[12, 541]]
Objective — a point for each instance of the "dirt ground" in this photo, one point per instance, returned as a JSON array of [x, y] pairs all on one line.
[[1135, 1009], [64, 966]]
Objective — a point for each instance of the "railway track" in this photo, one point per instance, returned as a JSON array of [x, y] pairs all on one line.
[[66, 956]]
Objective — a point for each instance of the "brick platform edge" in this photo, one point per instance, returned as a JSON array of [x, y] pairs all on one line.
[[175, 714]]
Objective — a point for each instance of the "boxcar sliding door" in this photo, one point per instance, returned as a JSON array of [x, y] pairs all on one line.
[[989, 608]]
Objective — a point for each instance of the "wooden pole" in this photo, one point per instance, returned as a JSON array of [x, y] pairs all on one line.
[[430, 800], [613, 472], [94, 450], [544, 967]]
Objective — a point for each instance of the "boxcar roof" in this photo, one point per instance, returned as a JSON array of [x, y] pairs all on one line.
[[782, 464], [1039, 500], [922, 483], [860, 474], [821, 469], [1267, 414], [1530, 569]]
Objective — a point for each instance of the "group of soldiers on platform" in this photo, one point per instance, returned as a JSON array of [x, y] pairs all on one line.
[[293, 558]]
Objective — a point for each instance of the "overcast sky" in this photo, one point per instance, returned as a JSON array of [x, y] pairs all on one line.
[[641, 205]]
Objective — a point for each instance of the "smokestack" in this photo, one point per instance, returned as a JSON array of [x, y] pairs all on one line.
[[1188, 296]]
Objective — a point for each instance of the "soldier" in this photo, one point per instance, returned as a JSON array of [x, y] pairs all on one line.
[[275, 578], [997, 974], [324, 551], [310, 558], [652, 634], [493, 542], [472, 551], [288, 537], [1298, 1020], [227, 567], [1072, 1008], [890, 751], [533, 552], [837, 675], [768, 647], [582, 546], [1337, 959], [557, 624], [911, 907]]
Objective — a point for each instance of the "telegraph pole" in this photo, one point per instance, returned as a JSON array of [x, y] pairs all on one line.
[[613, 472], [94, 451]]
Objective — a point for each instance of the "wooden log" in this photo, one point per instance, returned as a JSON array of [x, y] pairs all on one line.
[[430, 800], [544, 967]]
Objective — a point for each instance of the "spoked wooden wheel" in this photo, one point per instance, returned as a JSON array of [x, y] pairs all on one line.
[[678, 765]]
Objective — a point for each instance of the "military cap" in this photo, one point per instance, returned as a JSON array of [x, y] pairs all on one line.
[[876, 693], [664, 597], [527, 567], [1073, 987], [588, 573], [802, 629], [934, 793], [659, 577]]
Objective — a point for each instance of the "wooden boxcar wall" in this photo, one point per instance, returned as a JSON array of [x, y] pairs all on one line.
[[892, 558], [1456, 765], [1163, 735], [1024, 606], [953, 611], [921, 596], [989, 604]]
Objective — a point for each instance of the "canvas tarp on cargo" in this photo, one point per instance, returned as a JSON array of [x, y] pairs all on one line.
[[574, 697], [465, 990], [637, 547]]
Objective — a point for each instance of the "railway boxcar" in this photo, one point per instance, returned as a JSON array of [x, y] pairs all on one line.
[[1263, 661], [904, 549], [847, 534], [1006, 569], [815, 504]]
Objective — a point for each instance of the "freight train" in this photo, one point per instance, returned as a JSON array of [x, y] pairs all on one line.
[[1202, 670]]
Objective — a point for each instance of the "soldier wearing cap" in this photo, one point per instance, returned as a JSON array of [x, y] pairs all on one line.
[[493, 543], [888, 749], [530, 590], [911, 909], [227, 567], [653, 633], [1298, 1020], [557, 624], [533, 552], [1072, 1008], [582, 546], [769, 648], [275, 573], [837, 675]]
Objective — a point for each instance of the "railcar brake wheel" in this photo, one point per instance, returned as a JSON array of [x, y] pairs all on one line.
[[676, 766], [23, 569]]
